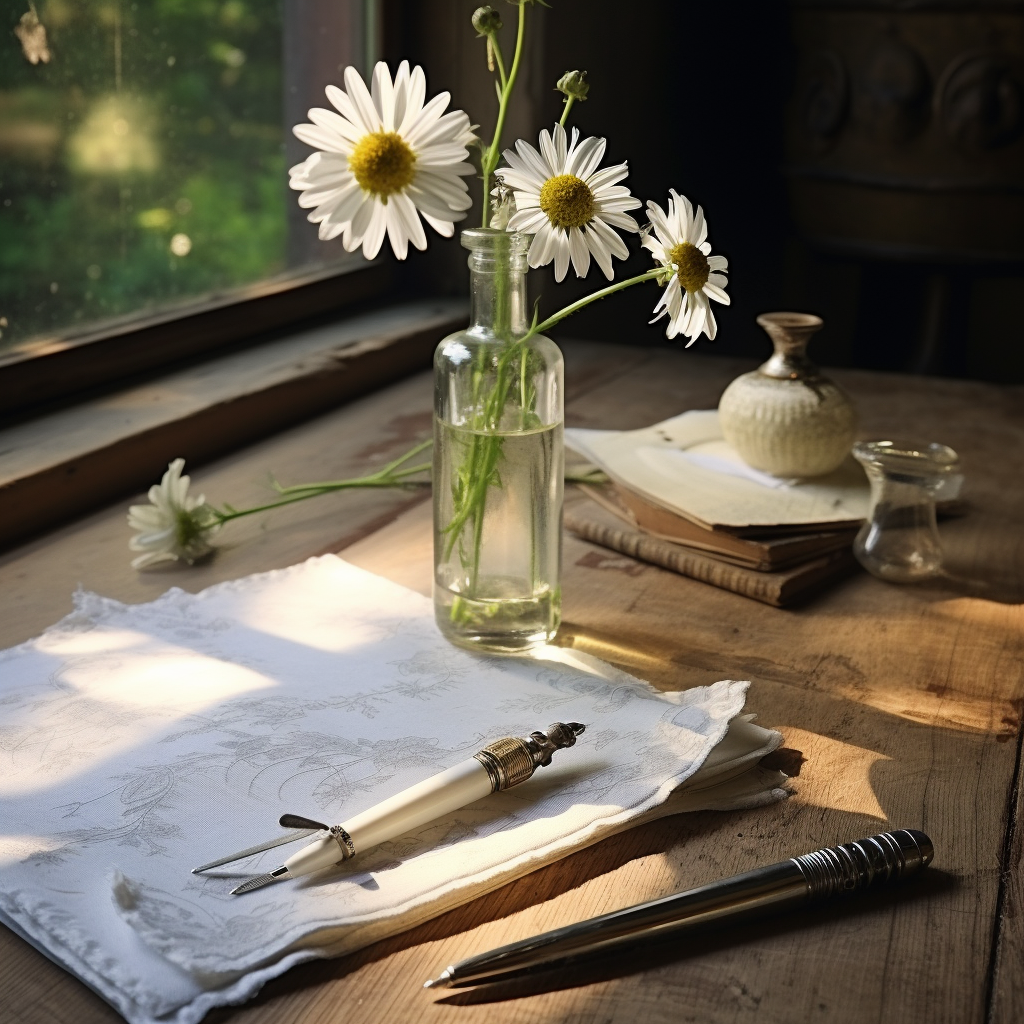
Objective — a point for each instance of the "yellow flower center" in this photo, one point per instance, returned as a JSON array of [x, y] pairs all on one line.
[[567, 200], [383, 164], [691, 266]]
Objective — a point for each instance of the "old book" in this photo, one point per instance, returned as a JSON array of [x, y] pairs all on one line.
[[765, 553], [781, 588]]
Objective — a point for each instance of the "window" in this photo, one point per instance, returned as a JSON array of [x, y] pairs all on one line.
[[144, 149]]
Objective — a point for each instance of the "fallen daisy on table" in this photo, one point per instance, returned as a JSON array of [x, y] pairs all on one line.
[[679, 244], [174, 525], [384, 161]]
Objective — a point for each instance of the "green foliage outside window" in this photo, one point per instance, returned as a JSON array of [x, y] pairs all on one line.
[[142, 164]]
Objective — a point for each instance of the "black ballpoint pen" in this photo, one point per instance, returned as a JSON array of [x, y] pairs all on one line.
[[813, 876]]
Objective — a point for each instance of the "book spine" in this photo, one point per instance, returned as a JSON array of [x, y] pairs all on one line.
[[759, 586]]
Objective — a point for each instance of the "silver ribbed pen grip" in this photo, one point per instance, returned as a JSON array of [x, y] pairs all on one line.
[[886, 857]]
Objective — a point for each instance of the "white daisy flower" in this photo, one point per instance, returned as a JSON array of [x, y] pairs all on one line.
[[567, 203], [174, 526], [385, 160], [679, 244]]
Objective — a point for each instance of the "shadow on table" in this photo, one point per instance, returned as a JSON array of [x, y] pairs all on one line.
[[983, 557], [652, 954], [719, 828]]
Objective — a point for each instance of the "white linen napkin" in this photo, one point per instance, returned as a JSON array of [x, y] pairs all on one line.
[[139, 741]]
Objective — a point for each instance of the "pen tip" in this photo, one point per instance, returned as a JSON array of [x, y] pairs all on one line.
[[440, 981], [258, 881], [429, 983]]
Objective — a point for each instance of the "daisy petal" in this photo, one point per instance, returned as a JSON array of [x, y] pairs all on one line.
[[529, 221], [321, 138], [330, 121], [343, 104], [402, 82], [622, 221], [579, 252], [406, 209], [601, 252], [416, 94], [374, 237], [700, 228], [609, 176], [382, 92], [425, 118], [549, 152], [532, 160], [445, 228], [542, 249], [396, 231], [361, 100], [587, 158], [561, 255], [359, 224], [710, 324], [716, 293]]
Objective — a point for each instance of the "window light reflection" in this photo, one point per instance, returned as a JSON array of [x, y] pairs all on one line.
[[117, 709]]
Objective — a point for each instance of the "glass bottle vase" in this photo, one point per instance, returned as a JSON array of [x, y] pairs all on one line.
[[498, 462]]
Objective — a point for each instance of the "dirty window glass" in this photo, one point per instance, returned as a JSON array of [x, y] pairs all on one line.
[[144, 149]]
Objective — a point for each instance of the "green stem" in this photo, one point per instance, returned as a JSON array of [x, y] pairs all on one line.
[[388, 476], [496, 50], [373, 480], [314, 491], [603, 293], [569, 101], [523, 398], [363, 481], [490, 156]]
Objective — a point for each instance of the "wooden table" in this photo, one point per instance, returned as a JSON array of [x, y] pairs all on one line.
[[900, 706]]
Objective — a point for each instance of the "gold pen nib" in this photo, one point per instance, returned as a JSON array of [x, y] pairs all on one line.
[[258, 881]]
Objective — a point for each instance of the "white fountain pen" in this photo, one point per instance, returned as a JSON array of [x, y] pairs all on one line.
[[500, 765]]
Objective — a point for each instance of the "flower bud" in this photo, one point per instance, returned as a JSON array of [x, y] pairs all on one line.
[[486, 20], [574, 84]]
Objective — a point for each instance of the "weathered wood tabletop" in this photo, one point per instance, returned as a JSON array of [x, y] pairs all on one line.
[[901, 706]]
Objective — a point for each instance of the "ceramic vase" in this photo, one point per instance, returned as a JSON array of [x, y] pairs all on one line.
[[786, 418]]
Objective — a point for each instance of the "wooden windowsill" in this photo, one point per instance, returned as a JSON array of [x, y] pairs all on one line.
[[68, 462]]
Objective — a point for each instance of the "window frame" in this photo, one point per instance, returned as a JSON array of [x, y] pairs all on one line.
[[66, 366], [58, 369]]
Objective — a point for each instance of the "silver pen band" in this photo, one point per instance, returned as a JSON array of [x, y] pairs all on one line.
[[507, 763], [511, 760], [344, 841]]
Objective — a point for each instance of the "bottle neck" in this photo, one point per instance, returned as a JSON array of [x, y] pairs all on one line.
[[497, 283]]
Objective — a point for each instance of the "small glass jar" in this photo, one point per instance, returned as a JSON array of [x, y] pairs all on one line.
[[498, 462], [899, 541]]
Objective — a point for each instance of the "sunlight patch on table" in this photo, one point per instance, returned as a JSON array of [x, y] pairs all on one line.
[[836, 775], [14, 849], [95, 713]]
